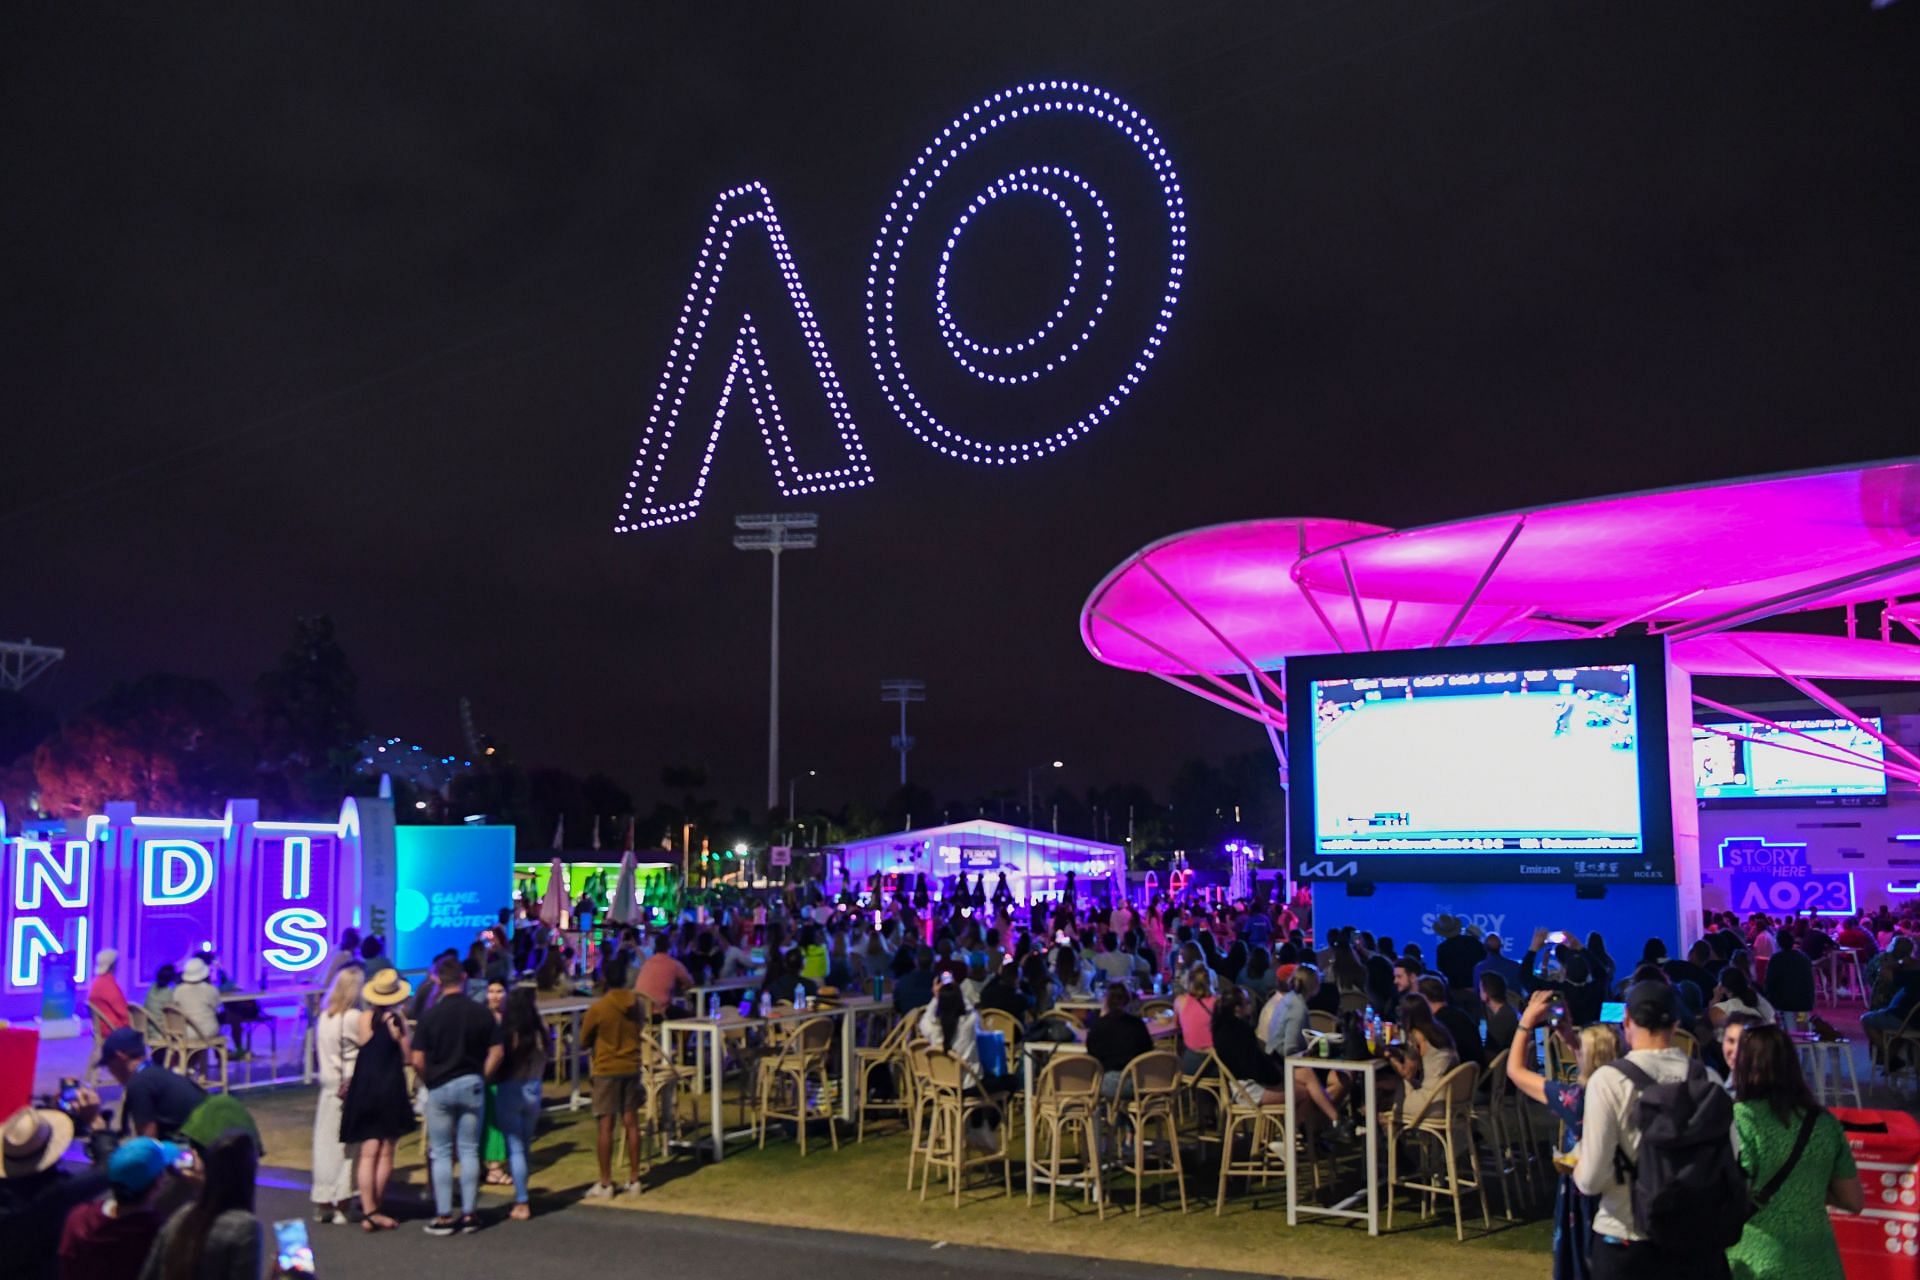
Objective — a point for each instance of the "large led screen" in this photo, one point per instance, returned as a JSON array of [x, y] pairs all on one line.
[[1506, 762]]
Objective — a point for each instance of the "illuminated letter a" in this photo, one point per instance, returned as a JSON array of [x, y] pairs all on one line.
[[644, 506]]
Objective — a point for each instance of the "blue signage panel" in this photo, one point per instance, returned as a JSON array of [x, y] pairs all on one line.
[[452, 882]]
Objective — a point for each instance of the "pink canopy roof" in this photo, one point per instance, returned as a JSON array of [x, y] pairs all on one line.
[[1215, 602]]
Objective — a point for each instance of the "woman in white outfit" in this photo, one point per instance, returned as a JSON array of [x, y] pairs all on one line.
[[332, 1158]]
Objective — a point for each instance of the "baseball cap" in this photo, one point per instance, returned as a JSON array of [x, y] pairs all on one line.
[[1652, 1005], [124, 1041], [138, 1164]]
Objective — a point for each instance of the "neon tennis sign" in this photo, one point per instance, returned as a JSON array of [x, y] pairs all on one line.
[[266, 895], [1083, 336]]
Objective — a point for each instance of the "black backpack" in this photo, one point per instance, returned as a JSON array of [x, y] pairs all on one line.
[[1688, 1190]]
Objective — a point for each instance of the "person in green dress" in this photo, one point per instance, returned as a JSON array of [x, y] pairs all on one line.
[[493, 1146], [1790, 1238]]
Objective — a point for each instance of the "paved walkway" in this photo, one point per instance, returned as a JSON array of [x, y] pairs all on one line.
[[667, 1247]]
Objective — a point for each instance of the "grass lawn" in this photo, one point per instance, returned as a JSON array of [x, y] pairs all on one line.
[[863, 1188]]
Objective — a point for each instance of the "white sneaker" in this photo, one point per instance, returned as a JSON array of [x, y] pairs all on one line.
[[600, 1191], [632, 1189]]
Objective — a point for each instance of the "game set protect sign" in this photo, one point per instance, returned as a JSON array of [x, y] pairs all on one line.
[[1052, 149]]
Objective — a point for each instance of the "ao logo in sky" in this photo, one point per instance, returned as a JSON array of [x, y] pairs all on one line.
[[997, 400]]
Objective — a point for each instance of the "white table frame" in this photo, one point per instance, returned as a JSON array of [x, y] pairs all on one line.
[[1028, 1050], [732, 1023], [1370, 1069]]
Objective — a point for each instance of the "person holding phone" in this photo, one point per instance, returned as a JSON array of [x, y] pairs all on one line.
[[377, 1111], [217, 1237], [1596, 1046]]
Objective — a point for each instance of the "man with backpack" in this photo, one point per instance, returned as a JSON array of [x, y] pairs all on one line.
[[1659, 1149]]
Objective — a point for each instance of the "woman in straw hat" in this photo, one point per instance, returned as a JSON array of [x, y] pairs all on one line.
[[377, 1111]]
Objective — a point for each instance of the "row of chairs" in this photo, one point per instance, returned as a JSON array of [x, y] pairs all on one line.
[[173, 1044]]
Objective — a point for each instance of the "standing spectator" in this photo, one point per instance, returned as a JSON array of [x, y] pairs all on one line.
[[156, 1102], [611, 1029], [1610, 1131], [1496, 961], [1796, 1157], [347, 953], [110, 1238], [373, 956], [493, 1144], [36, 1193], [197, 999], [450, 1056], [1597, 1046], [338, 1046], [1790, 977], [377, 1112], [1457, 955], [518, 1062], [104, 997], [217, 1237]]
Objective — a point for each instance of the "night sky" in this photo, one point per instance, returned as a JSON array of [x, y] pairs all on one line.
[[360, 310]]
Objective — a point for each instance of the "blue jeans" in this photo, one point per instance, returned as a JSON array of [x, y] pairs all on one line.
[[515, 1109], [454, 1112]]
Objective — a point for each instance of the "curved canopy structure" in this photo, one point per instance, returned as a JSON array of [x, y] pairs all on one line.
[[1218, 610]]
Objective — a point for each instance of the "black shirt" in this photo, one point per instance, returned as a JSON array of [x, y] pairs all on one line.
[[160, 1097], [1456, 959], [1503, 1024], [1465, 1033], [454, 1035], [1115, 1039], [1241, 1053], [33, 1211]]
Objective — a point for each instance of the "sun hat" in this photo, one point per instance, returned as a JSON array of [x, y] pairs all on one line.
[[34, 1140], [385, 988], [125, 1042], [138, 1164], [104, 960], [194, 970]]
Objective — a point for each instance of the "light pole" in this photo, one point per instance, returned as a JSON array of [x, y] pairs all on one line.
[[774, 534], [903, 692], [811, 773], [1031, 770]]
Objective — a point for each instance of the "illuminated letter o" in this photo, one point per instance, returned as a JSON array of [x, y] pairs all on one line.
[[1040, 355]]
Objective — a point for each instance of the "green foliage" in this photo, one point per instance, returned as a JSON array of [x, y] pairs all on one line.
[[171, 744]]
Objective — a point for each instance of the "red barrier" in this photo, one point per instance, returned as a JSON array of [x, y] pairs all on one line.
[[1883, 1242], [19, 1054]]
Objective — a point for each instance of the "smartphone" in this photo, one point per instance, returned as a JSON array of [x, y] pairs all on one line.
[[1555, 938], [1614, 1011], [295, 1256]]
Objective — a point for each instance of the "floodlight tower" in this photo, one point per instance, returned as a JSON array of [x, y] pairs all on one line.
[[903, 692], [23, 661], [775, 534]]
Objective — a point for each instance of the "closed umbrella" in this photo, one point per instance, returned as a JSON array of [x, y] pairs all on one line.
[[622, 910], [554, 907]]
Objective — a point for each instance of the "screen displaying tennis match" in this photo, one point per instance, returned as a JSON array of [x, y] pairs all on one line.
[[1508, 770], [1792, 761]]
